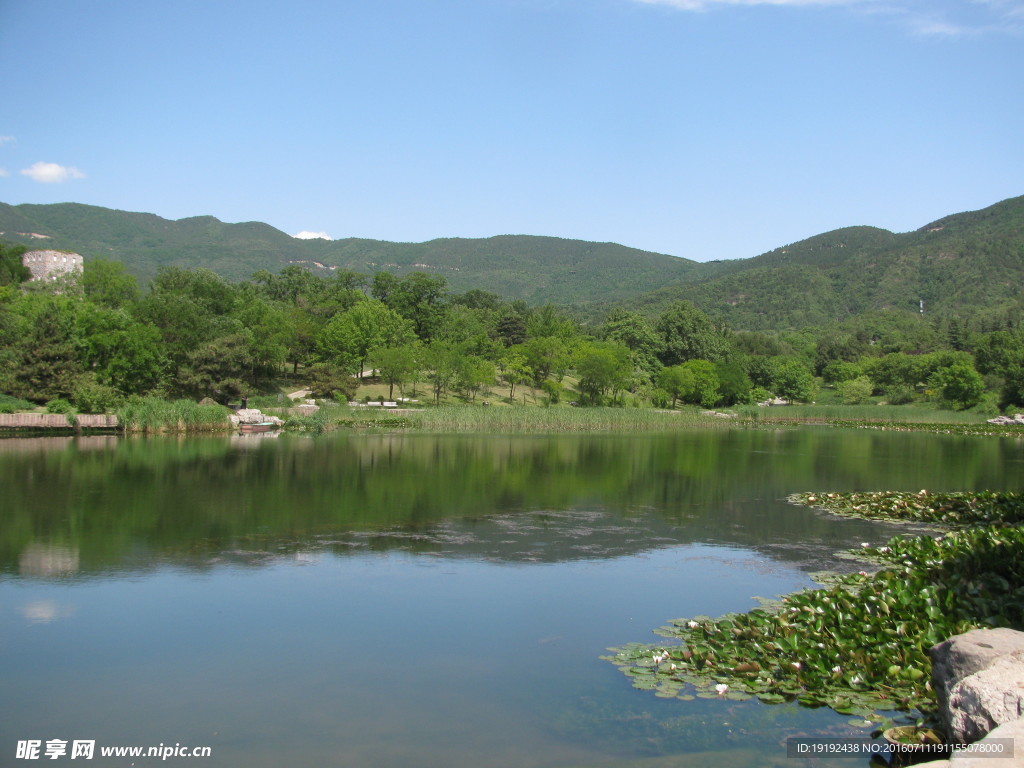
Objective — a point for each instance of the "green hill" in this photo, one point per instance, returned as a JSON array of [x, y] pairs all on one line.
[[537, 269], [958, 264]]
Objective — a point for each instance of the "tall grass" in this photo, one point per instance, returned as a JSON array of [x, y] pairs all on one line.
[[470, 418], [153, 414], [894, 414]]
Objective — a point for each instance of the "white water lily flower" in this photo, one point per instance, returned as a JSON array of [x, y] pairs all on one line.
[[864, 544], [796, 665], [837, 669], [883, 549], [721, 688], [692, 624]]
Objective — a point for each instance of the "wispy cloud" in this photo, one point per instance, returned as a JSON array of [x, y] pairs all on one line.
[[3, 172], [703, 5], [305, 235], [6, 139], [52, 173], [934, 18]]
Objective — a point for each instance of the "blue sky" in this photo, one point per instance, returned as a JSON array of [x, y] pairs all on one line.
[[700, 128]]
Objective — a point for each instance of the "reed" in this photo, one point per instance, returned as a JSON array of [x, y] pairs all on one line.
[[858, 414], [154, 415], [527, 419]]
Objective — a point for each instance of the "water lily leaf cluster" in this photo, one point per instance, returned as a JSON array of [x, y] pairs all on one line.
[[955, 510], [860, 645]]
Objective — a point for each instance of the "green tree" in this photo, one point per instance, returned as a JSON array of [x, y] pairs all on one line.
[[677, 381], [705, 382], [515, 369], [219, 368], [855, 391], [350, 337], [108, 284], [420, 298], [118, 350], [46, 366], [733, 383], [634, 331], [839, 371], [396, 365], [896, 370], [473, 374], [604, 369], [686, 333], [326, 380], [442, 363], [12, 271], [958, 385], [793, 381], [546, 356]]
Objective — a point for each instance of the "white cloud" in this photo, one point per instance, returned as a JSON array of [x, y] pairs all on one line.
[[3, 172], [936, 18], [52, 173], [6, 139], [45, 611], [304, 235], [700, 5]]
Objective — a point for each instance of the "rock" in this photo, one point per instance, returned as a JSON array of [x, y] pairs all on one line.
[[986, 699], [1014, 732], [972, 699], [254, 416], [1017, 418]]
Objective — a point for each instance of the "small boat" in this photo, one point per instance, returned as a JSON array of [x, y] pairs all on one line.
[[262, 426]]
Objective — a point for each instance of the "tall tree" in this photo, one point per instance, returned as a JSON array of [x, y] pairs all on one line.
[[351, 336], [686, 333], [12, 271]]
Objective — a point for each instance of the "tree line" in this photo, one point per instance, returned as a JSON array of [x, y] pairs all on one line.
[[96, 338]]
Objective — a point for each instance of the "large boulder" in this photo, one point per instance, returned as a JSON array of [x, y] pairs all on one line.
[[1010, 735], [253, 416], [979, 679]]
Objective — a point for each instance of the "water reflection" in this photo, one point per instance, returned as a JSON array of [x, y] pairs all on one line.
[[92, 505], [416, 600]]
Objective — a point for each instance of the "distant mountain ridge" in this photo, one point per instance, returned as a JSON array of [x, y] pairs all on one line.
[[536, 269], [958, 263]]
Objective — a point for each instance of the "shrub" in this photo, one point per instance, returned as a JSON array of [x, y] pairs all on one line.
[[855, 391], [59, 405], [92, 397], [9, 404], [898, 395]]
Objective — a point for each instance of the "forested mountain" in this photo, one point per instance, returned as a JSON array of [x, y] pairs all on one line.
[[959, 264], [537, 269]]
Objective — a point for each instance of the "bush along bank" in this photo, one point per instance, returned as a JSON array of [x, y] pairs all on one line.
[[859, 646]]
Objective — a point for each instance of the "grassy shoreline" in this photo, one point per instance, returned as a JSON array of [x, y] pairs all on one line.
[[153, 415]]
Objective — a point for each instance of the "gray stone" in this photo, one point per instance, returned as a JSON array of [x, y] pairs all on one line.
[[253, 416], [986, 699], [972, 703], [1013, 731]]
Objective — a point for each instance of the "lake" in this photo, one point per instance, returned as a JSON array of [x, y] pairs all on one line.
[[419, 600]]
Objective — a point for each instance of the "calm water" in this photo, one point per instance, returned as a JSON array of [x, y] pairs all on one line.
[[413, 600]]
